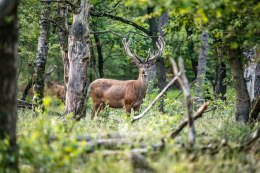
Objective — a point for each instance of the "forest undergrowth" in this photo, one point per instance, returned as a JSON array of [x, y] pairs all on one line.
[[111, 143]]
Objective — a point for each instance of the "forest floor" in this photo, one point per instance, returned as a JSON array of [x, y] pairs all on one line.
[[111, 143]]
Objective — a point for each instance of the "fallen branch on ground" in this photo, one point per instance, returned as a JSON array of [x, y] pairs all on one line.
[[198, 114], [255, 137], [24, 104], [113, 143]]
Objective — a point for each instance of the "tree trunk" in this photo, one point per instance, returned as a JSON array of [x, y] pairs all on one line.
[[27, 90], [242, 97], [39, 70], [153, 30], [62, 13], [79, 55], [8, 84], [191, 53], [220, 86], [156, 27], [202, 64], [100, 56]]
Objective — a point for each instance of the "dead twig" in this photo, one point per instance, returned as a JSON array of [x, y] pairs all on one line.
[[198, 114], [183, 81], [157, 98], [255, 137]]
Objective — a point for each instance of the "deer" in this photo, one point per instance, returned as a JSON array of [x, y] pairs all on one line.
[[125, 94]]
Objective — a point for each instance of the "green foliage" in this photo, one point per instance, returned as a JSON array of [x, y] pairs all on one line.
[[48, 143]]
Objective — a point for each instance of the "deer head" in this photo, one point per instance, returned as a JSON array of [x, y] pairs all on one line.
[[151, 58]]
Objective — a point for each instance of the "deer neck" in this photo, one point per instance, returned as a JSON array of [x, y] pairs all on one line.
[[142, 81]]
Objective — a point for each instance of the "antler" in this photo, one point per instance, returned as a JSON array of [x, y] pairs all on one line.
[[137, 60], [160, 44]]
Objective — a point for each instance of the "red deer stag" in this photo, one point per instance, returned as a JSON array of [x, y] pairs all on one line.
[[125, 94]]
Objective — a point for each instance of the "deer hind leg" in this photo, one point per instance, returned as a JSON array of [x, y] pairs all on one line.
[[97, 107]]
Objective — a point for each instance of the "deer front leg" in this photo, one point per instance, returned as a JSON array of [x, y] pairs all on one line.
[[128, 110], [136, 110]]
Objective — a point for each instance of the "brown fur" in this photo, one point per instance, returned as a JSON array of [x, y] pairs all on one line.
[[119, 94], [125, 94], [54, 89]]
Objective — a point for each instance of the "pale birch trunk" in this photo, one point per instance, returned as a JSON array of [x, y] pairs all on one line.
[[42, 51], [202, 64]]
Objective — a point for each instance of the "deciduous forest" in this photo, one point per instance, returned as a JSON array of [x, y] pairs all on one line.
[[118, 86]]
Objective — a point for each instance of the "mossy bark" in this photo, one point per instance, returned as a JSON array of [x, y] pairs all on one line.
[[39, 69], [242, 96]]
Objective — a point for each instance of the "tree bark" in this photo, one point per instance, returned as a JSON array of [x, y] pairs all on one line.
[[39, 70], [220, 86], [202, 64], [191, 53], [242, 97], [79, 55], [100, 56], [27, 90], [62, 13], [155, 27], [8, 84]]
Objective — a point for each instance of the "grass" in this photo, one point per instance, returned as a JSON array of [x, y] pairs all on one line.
[[65, 154]]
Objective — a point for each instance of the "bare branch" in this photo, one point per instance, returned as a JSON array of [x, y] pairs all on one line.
[[94, 13], [198, 114], [157, 98], [186, 90]]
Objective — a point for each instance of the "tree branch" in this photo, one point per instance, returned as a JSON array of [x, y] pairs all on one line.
[[125, 21], [157, 98], [198, 114]]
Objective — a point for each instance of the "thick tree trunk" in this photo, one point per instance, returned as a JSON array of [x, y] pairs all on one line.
[[63, 33], [220, 86], [100, 56], [79, 55], [156, 27], [242, 97], [194, 61], [39, 70], [202, 64], [8, 84], [153, 30]]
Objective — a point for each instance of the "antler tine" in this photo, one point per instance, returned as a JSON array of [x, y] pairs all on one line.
[[134, 57], [139, 58], [126, 46], [148, 56], [160, 44]]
